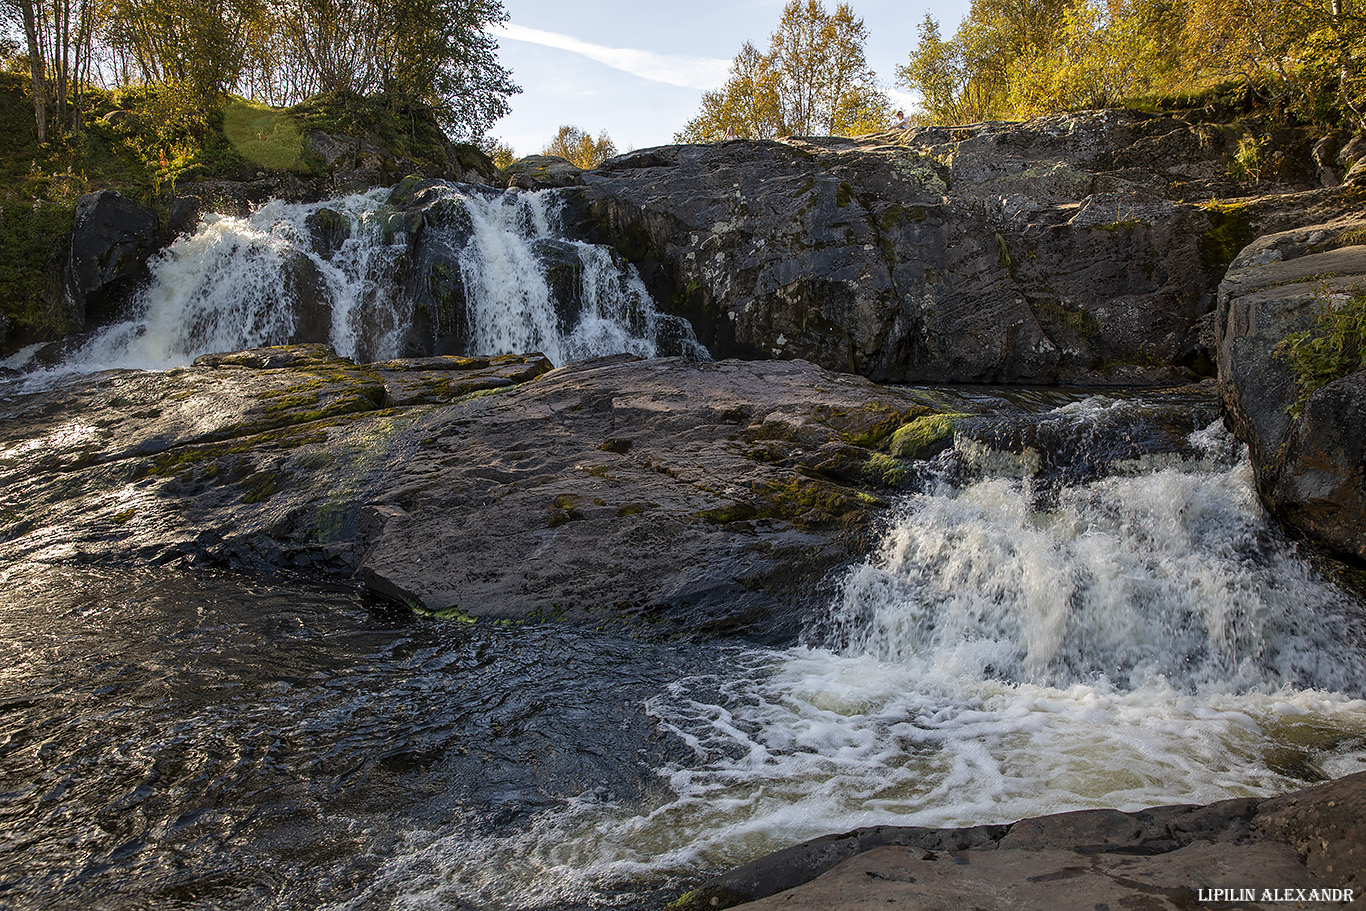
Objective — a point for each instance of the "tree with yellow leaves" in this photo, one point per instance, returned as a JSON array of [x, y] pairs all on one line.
[[577, 146], [813, 80]]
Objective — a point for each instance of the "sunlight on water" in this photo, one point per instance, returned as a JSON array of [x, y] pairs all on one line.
[[272, 278], [1147, 640]]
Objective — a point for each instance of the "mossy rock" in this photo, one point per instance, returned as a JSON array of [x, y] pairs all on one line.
[[926, 436], [797, 500], [1230, 231], [870, 425]]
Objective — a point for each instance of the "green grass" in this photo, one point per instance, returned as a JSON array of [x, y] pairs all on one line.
[[265, 136]]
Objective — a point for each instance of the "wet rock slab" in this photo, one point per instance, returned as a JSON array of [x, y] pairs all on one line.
[[699, 498], [1303, 850]]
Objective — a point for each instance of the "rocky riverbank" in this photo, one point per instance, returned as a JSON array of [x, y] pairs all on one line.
[[700, 498], [678, 498], [1088, 248], [1302, 850]]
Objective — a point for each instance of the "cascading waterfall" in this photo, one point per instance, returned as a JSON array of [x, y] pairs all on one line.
[[511, 305], [258, 280], [343, 272], [1135, 637]]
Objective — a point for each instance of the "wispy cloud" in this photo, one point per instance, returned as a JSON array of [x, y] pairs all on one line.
[[672, 69]]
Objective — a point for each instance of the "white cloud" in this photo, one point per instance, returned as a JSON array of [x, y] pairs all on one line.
[[671, 69]]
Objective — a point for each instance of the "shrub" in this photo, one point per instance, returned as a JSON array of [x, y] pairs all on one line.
[[1331, 349]]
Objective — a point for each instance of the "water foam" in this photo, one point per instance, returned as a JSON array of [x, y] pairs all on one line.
[[1140, 640], [264, 279]]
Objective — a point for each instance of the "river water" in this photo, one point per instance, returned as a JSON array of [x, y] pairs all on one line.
[[1080, 605]]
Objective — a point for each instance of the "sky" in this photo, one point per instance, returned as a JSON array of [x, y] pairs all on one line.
[[638, 69]]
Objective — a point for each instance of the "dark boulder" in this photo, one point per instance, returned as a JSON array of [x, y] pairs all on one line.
[[110, 244], [1308, 469], [1320, 487], [328, 229], [541, 172]]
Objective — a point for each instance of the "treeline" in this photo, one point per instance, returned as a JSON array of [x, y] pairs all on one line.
[[1019, 58], [1014, 59], [433, 53]]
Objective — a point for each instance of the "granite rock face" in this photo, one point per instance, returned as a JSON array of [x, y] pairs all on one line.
[[1303, 850], [1081, 248], [1311, 468], [694, 498]]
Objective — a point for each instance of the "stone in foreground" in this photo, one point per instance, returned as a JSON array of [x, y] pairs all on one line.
[[1302, 850]]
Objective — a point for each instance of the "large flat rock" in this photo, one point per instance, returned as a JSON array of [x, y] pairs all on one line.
[[702, 498]]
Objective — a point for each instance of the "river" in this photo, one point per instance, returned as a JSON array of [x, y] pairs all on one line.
[[1080, 604]]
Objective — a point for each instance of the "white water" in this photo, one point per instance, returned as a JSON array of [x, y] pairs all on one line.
[[1147, 640], [228, 286], [236, 282], [511, 308]]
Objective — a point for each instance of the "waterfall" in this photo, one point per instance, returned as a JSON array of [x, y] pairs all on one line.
[[1166, 573], [1023, 641], [462, 270]]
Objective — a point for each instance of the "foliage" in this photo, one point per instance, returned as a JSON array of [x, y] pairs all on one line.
[[950, 88], [198, 46], [33, 233], [1019, 58], [1249, 159], [433, 54], [1101, 56], [1333, 348], [575, 145], [498, 150], [813, 80]]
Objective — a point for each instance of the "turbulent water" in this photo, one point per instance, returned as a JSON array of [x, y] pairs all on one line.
[[275, 277], [1080, 605]]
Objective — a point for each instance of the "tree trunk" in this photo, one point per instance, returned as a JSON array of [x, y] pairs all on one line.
[[1344, 72], [35, 63]]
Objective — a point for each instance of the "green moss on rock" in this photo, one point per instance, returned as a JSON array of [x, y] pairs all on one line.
[[1229, 232], [926, 436]]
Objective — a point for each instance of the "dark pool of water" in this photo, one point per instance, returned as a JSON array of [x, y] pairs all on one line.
[[213, 741]]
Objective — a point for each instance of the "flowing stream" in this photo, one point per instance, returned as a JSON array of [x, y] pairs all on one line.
[[376, 282], [1078, 605]]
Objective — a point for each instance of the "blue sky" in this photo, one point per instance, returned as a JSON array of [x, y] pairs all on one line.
[[638, 69]]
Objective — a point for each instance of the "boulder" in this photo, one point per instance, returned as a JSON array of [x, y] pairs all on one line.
[[328, 229], [110, 244], [1320, 487], [541, 172], [1309, 468]]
